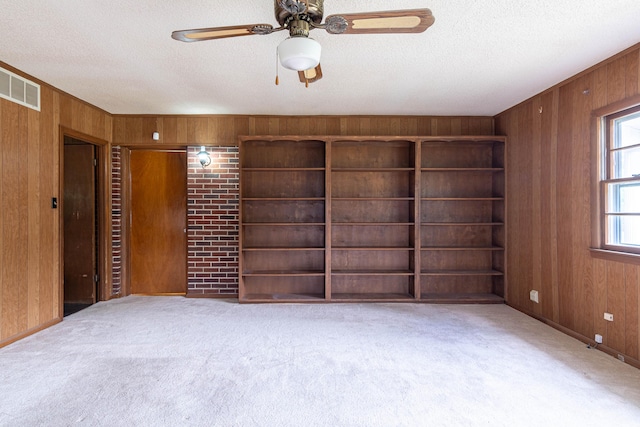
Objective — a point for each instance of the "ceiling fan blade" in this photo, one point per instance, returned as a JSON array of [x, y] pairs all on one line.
[[196, 35], [311, 75], [392, 21]]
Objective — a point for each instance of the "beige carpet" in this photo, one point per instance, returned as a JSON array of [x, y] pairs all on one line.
[[172, 361]]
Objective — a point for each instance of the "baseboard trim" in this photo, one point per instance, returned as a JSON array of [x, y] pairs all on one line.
[[216, 296], [28, 332], [608, 350]]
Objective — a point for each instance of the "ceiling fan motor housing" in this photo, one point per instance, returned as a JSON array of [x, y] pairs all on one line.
[[314, 13]]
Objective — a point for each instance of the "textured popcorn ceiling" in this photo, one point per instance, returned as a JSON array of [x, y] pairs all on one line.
[[479, 58]]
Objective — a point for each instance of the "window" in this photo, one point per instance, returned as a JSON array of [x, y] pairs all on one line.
[[620, 183]]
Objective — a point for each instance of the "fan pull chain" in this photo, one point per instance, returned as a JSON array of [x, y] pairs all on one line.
[[277, 69], [306, 78]]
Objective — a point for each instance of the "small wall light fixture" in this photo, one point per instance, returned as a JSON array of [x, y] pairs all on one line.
[[204, 157]]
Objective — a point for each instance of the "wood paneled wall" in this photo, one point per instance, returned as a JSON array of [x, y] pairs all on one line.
[[551, 172], [30, 276], [224, 130]]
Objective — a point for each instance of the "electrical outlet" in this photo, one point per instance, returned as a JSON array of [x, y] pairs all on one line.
[[621, 357], [533, 296], [608, 316], [598, 339]]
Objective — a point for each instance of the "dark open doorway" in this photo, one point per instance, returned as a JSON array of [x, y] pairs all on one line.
[[81, 225]]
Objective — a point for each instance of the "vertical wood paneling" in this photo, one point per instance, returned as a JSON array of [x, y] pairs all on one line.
[[51, 298], [536, 209], [553, 194], [15, 235], [547, 226], [168, 128], [30, 279], [616, 80], [632, 74], [33, 219], [581, 205], [48, 188], [224, 130], [424, 127], [2, 136], [352, 126], [554, 206], [631, 310], [616, 305], [441, 126], [321, 126], [599, 87], [600, 304], [637, 324], [524, 170], [564, 207], [513, 224], [197, 130]]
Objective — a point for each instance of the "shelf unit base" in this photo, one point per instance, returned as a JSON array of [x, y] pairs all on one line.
[[283, 298], [374, 298], [462, 299]]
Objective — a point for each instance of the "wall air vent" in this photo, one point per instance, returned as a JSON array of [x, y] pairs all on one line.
[[19, 90]]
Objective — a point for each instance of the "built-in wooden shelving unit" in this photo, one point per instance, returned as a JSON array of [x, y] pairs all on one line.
[[372, 219]]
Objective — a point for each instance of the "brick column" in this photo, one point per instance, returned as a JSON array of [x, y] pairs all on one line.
[[116, 220], [213, 218]]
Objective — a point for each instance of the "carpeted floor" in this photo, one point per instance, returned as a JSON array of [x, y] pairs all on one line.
[[173, 361]]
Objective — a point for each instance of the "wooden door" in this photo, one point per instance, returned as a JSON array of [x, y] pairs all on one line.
[[79, 223], [158, 239]]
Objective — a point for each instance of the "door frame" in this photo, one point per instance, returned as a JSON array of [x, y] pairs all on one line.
[[125, 173], [103, 212]]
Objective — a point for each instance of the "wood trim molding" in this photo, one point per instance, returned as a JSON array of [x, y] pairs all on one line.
[[105, 268], [29, 332], [617, 106], [616, 256]]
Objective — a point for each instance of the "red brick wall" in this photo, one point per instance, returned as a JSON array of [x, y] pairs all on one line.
[[213, 220], [116, 220]]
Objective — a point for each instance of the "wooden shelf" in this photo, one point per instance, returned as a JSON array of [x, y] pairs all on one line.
[[375, 170], [345, 219], [284, 199], [280, 249], [461, 199], [372, 273], [283, 224], [462, 298], [463, 224], [371, 248], [378, 199], [282, 169], [462, 169], [462, 273], [360, 297], [462, 248], [283, 273], [372, 224], [284, 298]]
